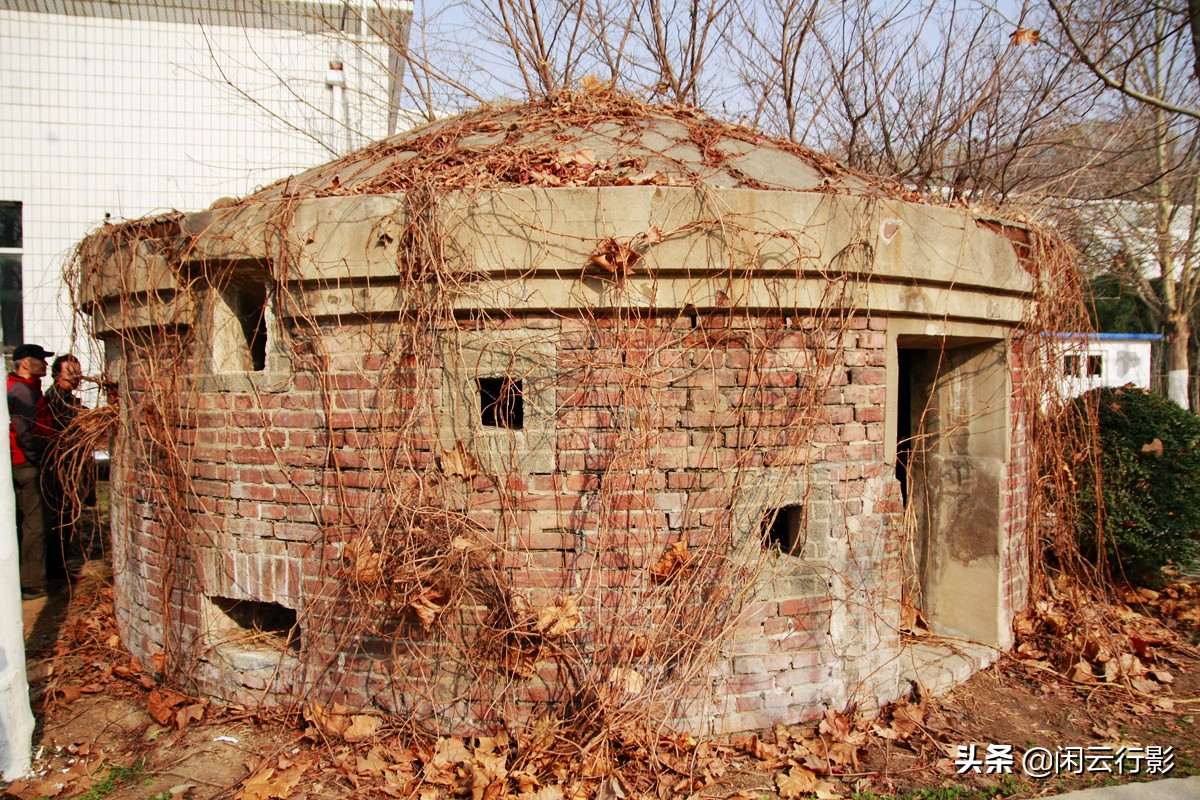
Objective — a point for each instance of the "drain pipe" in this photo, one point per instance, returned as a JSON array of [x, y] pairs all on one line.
[[16, 717]]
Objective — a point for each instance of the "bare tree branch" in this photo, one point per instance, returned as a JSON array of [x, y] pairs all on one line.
[[1095, 63]]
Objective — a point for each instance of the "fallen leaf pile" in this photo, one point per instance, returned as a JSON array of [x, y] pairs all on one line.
[[1094, 643], [1177, 604], [338, 723], [88, 658], [169, 707], [352, 752], [811, 761]]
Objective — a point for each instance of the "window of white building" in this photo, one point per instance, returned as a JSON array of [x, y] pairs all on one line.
[[12, 317]]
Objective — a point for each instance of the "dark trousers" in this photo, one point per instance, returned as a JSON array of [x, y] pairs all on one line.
[[31, 525], [63, 509]]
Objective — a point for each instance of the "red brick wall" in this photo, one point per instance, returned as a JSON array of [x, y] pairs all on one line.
[[663, 429]]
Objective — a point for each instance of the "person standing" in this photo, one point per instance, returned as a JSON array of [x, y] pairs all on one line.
[[63, 502], [27, 440]]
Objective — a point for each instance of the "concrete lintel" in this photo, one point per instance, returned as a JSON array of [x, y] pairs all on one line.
[[164, 310], [130, 268], [947, 305]]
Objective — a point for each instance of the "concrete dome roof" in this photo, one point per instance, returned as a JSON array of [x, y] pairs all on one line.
[[577, 140]]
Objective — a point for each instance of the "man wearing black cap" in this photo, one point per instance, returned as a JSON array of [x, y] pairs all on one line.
[[27, 440]]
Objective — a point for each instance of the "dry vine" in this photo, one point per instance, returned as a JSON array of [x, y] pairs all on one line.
[[447, 598]]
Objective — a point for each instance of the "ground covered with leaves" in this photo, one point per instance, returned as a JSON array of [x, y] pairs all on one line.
[[108, 728]]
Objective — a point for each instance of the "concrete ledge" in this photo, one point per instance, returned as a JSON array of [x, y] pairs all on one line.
[[936, 665]]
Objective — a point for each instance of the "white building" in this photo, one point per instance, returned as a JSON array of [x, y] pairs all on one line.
[[122, 108], [1088, 361]]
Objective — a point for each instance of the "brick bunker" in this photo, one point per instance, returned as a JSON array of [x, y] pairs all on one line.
[[586, 411]]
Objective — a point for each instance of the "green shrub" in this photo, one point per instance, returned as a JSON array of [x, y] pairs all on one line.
[[1151, 491]]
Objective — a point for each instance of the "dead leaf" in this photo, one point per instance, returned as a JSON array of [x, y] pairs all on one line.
[[1161, 675], [545, 793], [562, 616], [490, 744], [270, 783], [911, 619], [68, 694], [1082, 673], [362, 727], [1144, 685], [331, 722], [450, 751], [1141, 595], [1131, 665], [671, 563], [1025, 36], [625, 683], [756, 747], [614, 259], [427, 604], [39, 671], [835, 725], [36, 790], [906, 720], [1027, 650], [611, 789], [842, 754], [373, 763], [193, 712], [520, 660], [1154, 448], [798, 781], [365, 562], [459, 462], [161, 705]]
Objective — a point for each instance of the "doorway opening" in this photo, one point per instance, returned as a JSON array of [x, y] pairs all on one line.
[[951, 459]]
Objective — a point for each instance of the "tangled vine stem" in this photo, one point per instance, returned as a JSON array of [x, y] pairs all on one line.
[[436, 575]]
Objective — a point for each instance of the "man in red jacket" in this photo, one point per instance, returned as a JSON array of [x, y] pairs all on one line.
[[27, 440]]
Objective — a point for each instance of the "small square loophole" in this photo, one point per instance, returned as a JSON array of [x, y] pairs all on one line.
[[501, 403], [783, 529], [255, 623]]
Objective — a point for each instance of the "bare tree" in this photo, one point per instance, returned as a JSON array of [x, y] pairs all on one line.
[[772, 41], [680, 37], [1146, 55], [1118, 41], [938, 94], [671, 49]]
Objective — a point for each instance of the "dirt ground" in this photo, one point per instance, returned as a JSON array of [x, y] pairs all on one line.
[[106, 728]]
